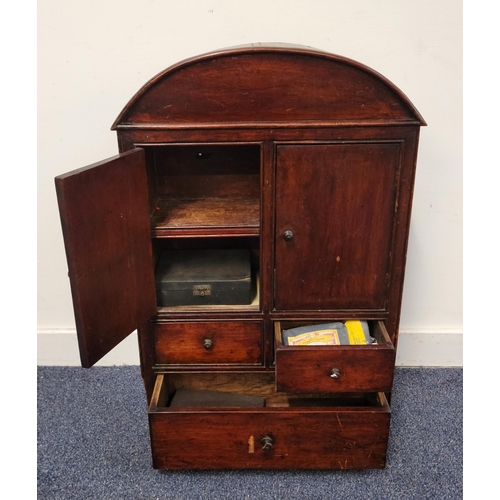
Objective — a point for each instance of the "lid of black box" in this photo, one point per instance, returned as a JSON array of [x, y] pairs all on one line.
[[202, 266]]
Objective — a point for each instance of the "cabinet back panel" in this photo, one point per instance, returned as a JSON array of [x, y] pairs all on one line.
[[204, 171]]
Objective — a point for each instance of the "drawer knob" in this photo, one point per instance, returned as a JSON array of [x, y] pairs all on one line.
[[288, 235], [335, 373], [208, 344], [267, 443]]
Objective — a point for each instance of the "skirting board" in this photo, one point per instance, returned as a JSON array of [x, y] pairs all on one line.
[[59, 347]]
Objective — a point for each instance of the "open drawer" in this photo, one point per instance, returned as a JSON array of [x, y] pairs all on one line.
[[290, 431], [339, 368]]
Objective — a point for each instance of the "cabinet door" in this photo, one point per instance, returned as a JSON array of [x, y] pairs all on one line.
[[335, 207], [106, 229]]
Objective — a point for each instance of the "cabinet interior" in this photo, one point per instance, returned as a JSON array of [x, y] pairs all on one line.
[[206, 196], [251, 243], [205, 188], [256, 384]]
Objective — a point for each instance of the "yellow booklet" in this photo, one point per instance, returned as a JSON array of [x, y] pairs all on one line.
[[356, 332]]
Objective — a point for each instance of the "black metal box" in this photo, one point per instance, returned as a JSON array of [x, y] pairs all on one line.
[[203, 277]]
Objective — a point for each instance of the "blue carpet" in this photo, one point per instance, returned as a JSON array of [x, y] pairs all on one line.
[[93, 443]]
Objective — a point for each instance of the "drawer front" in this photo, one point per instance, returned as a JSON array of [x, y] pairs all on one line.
[[270, 439], [341, 368], [220, 342]]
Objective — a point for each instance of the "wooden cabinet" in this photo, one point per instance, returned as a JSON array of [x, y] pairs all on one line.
[[304, 159]]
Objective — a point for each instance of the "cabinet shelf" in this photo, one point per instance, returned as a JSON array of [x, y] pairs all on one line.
[[184, 217], [169, 310]]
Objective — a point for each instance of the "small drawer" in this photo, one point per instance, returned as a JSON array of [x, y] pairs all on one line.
[[289, 432], [341, 368], [208, 342]]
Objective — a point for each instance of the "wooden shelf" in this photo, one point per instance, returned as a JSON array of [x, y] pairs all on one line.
[[184, 217]]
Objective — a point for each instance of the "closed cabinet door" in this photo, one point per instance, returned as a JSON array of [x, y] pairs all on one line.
[[335, 207]]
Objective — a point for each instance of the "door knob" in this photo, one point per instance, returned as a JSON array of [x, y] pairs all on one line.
[[288, 235]]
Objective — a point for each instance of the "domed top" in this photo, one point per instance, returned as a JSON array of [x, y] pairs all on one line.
[[267, 86]]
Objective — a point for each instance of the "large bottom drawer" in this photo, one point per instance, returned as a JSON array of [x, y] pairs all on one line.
[[291, 431]]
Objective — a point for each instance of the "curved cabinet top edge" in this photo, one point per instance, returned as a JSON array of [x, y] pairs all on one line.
[[130, 113]]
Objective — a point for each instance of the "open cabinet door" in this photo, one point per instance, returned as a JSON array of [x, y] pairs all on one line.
[[106, 229]]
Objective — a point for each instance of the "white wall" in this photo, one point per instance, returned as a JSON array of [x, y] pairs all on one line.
[[94, 55]]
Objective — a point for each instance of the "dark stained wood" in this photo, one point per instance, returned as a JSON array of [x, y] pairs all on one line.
[[367, 368], [267, 245], [105, 223], [303, 439], [208, 171], [240, 146], [206, 217], [254, 383], [147, 357], [131, 138], [229, 342], [402, 233], [267, 84], [338, 202], [224, 186], [325, 437], [206, 190], [237, 382]]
